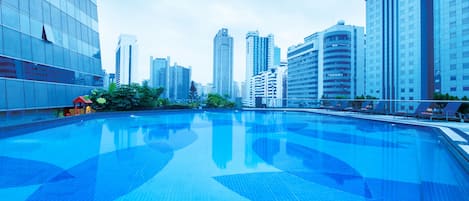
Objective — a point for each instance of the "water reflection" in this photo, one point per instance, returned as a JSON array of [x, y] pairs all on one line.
[[222, 138]]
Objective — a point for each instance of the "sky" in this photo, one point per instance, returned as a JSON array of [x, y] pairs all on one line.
[[184, 29]]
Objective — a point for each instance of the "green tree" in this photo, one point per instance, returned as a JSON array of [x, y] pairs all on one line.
[[217, 101]]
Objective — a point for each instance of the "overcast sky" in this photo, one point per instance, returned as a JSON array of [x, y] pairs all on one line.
[[184, 29]]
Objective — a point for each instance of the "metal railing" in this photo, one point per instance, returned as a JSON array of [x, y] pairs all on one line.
[[457, 110]]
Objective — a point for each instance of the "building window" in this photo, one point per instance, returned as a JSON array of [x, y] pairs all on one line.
[[452, 67], [453, 56], [465, 54], [452, 35], [452, 89], [403, 90], [465, 65], [466, 88], [452, 78], [465, 77], [411, 90]]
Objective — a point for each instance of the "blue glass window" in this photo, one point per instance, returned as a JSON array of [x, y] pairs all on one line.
[[46, 12], [15, 94], [11, 43], [10, 17], [1, 39], [35, 7], [55, 16], [24, 6], [30, 95], [26, 47], [58, 56], [49, 53], [13, 3], [24, 24], [64, 19], [38, 50], [3, 101], [36, 28]]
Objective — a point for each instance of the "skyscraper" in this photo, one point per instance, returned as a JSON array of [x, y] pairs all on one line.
[[259, 58], [46, 59], [126, 60], [451, 39], [223, 63], [399, 55], [159, 74], [179, 82]]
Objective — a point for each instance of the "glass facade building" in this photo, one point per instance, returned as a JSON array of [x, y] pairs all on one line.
[[49, 53], [159, 74], [179, 82], [451, 47], [223, 63], [399, 50]]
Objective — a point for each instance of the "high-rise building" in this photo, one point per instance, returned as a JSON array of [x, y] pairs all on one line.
[[223, 63], [179, 82], [399, 50], [343, 61], [305, 73], [159, 74], [451, 40], [277, 55], [328, 64], [49, 55], [126, 60], [259, 58]]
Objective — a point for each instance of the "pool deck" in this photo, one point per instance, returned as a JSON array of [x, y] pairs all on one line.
[[459, 140]]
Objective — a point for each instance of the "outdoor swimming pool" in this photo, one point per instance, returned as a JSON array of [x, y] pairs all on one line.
[[216, 155]]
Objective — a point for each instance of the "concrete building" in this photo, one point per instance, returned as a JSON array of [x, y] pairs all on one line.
[[305, 71], [159, 74], [269, 87], [126, 60], [344, 63], [400, 50], [223, 63], [47, 62], [329, 64]]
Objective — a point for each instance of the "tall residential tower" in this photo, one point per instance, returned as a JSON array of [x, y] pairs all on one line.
[[223, 63], [259, 58]]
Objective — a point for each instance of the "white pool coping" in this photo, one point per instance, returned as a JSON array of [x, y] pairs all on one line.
[[444, 126]]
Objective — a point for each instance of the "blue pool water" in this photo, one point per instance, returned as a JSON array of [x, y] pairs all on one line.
[[230, 156]]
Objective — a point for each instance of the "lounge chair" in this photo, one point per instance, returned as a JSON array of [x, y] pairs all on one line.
[[421, 108], [380, 108], [328, 104], [366, 105], [450, 111], [340, 105]]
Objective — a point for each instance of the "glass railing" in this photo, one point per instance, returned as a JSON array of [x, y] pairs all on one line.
[[448, 110]]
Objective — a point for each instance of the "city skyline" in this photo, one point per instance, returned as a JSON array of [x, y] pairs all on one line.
[[187, 35]]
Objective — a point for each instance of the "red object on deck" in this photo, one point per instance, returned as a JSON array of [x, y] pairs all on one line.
[[81, 99]]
